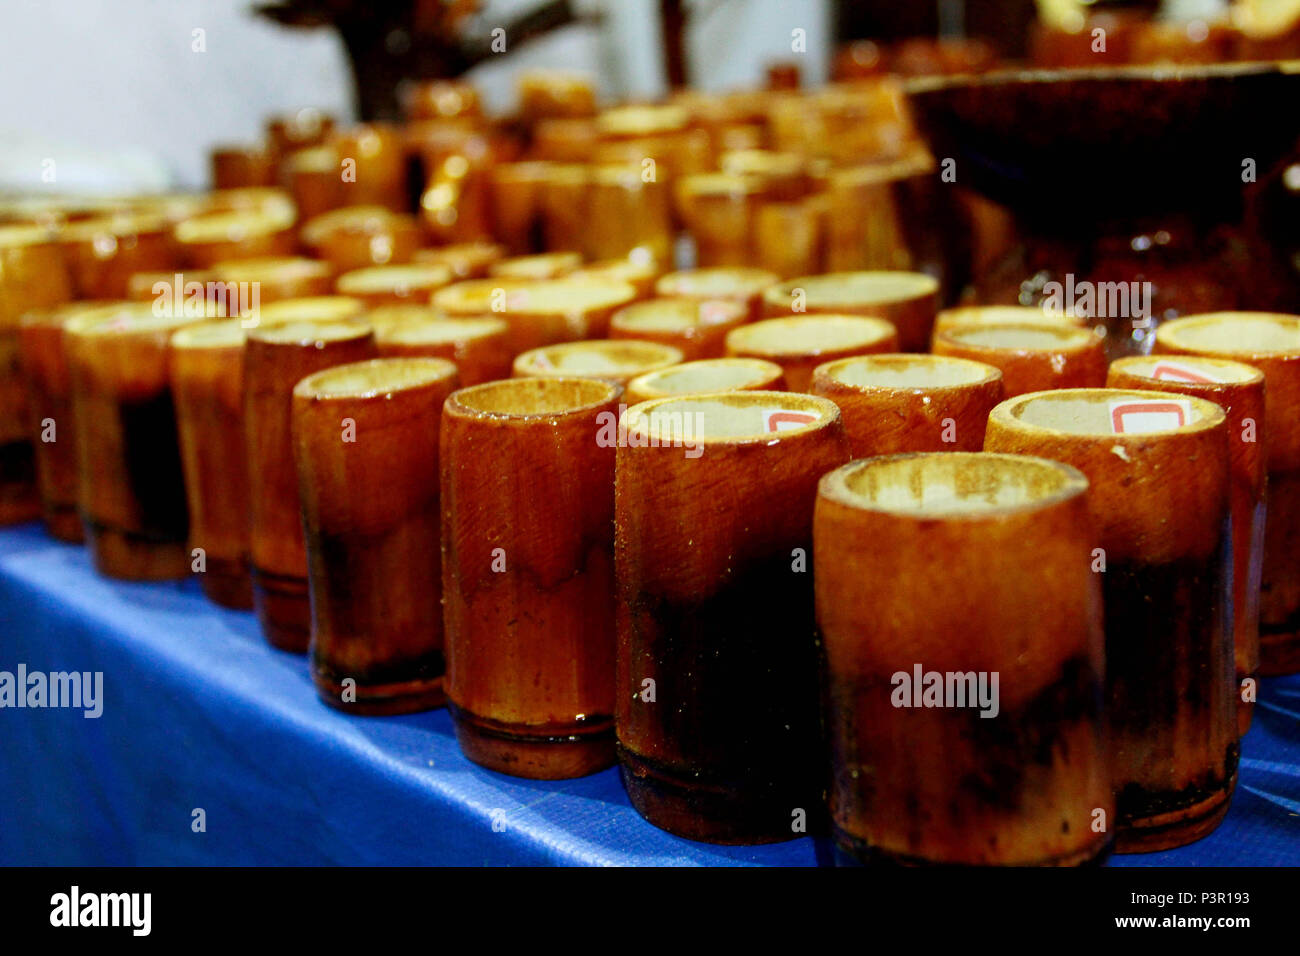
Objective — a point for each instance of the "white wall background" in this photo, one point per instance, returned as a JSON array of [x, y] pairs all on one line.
[[113, 92]]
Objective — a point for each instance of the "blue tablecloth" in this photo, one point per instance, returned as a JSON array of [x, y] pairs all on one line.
[[200, 714]]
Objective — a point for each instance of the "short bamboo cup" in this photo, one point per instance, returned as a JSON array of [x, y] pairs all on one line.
[[1239, 390], [277, 279], [48, 382], [393, 285], [999, 314], [130, 488], [104, 252], [1032, 357], [907, 299], [535, 268], [637, 270], [206, 364], [539, 313], [276, 357], [476, 345], [615, 360], [718, 689], [32, 277], [1163, 552], [962, 630], [467, 260], [528, 580], [735, 284], [367, 459], [800, 343], [706, 375], [216, 237], [698, 327], [1271, 343], [910, 403]]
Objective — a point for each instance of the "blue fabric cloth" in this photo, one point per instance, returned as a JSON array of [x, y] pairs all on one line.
[[199, 713]]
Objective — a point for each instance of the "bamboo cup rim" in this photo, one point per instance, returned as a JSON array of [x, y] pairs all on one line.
[[618, 358], [233, 225], [116, 224], [273, 268], [305, 333], [1088, 413], [1188, 369], [706, 375], [678, 314], [533, 399], [731, 418], [813, 334], [853, 289], [1233, 333], [952, 485], [997, 314], [436, 331], [312, 308], [411, 276], [128, 318], [317, 230], [374, 377], [227, 334], [537, 267], [25, 234], [1019, 337], [718, 282], [906, 372], [60, 315], [532, 296]]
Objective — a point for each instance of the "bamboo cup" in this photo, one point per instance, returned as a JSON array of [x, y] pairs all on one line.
[[103, 253], [515, 197], [1163, 552], [534, 268], [706, 375], [477, 346], [718, 714], [368, 478], [719, 212], [698, 327], [1271, 343], [355, 237], [907, 299], [49, 407], [528, 591], [1239, 390], [277, 279], [628, 215], [384, 285], [964, 573], [377, 175], [216, 237], [639, 271], [237, 166], [206, 366], [910, 403], [276, 357], [467, 260], [156, 286], [614, 360], [314, 177], [1032, 357], [539, 313], [802, 343], [565, 205], [1000, 314], [312, 308], [130, 488], [32, 277], [734, 284]]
